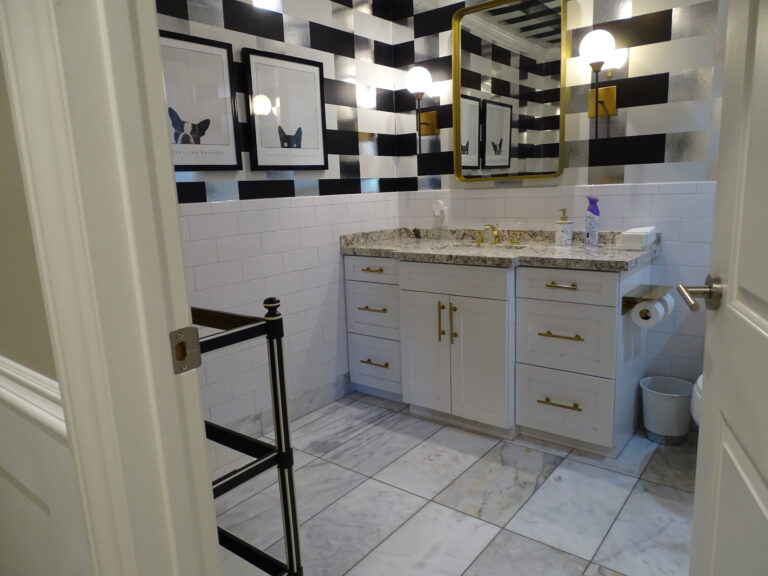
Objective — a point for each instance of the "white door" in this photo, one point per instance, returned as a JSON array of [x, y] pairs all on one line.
[[85, 85], [425, 350], [479, 387], [730, 519]]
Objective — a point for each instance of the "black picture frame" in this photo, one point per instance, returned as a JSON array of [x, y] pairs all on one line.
[[470, 120], [497, 127], [199, 84], [291, 134]]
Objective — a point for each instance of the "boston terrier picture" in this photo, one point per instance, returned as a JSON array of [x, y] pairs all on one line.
[[497, 147], [187, 132], [465, 148], [287, 141]]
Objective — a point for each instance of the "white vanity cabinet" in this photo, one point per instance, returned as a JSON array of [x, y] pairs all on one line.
[[373, 324], [457, 344], [579, 359]]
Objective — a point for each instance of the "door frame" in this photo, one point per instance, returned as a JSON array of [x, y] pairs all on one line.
[[85, 84]]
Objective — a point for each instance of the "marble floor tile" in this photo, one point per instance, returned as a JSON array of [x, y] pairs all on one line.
[[574, 508], [597, 570], [632, 460], [382, 443], [257, 484], [436, 462], [542, 445], [384, 403], [673, 466], [652, 535], [342, 534], [258, 520], [436, 541], [331, 431], [511, 553], [232, 565], [497, 485], [312, 416]]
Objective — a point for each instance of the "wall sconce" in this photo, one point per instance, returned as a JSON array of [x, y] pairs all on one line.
[[418, 81], [598, 49]]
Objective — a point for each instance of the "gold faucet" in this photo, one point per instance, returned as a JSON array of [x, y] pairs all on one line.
[[494, 233]]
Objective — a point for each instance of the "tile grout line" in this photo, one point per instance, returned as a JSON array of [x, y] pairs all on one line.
[[632, 491]]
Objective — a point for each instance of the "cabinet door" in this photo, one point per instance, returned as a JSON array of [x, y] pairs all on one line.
[[425, 354], [479, 365]]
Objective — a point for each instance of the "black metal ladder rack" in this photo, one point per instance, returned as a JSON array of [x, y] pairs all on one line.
[[239, 328]]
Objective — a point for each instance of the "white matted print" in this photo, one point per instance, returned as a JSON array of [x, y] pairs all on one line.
[[202, 120], [470, 132], [287, 112], [497, 123]]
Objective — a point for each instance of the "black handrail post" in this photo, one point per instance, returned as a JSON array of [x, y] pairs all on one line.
[[282, 436]]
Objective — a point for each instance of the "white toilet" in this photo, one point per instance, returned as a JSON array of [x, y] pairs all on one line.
[[696, 399]]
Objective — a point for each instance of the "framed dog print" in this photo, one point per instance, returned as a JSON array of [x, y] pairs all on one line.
[[202, 120], [470, 132], [497, 126], [287, 112]]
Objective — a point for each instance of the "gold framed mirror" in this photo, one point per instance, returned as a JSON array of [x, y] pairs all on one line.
[[509, 96]]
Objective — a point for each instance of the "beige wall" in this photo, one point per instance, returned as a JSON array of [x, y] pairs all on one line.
[[24, 334]]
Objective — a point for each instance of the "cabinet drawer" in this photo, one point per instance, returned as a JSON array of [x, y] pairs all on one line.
[[575, 337], [373, 309], [474, 281], [571, 405], [579, 286], [370, 269], [375, 362]]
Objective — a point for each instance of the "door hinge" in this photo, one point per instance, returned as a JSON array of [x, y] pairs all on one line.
[[185, 349]]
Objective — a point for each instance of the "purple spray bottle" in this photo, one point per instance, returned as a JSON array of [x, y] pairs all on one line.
[[593, 217]]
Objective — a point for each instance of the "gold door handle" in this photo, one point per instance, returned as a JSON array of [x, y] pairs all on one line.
[[368, 309], [548, 401], [373, 270], [372, 363], [571, 286], [454, 335], [548, 334], [440, 331]]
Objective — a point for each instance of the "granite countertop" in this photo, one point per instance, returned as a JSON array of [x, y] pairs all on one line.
[[536, 249]]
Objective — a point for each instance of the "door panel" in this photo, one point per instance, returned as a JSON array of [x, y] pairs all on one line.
[[730, 520], [425, 355], [479, 371]]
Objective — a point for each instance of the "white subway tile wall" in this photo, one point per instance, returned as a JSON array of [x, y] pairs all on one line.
[[301, 264]]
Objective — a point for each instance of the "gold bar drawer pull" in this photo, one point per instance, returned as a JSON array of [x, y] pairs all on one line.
[[373, 270], [372, 363], [548, 401], [571, 286], [369, 309], [548, 334]]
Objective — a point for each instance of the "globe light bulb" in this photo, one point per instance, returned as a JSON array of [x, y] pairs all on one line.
[[418, 80], [262, 105], [597, 46], [616, 59]]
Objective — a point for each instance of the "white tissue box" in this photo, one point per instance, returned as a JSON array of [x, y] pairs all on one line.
[[637, 238]]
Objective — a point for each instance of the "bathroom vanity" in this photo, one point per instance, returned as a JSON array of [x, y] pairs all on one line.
[[519, 338]]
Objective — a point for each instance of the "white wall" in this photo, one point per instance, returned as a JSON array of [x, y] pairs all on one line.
[[237, 253]]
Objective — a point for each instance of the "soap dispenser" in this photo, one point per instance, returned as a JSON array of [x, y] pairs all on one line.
[[563, 230]]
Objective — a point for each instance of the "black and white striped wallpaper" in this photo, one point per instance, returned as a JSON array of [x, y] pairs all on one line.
[[668, 93]]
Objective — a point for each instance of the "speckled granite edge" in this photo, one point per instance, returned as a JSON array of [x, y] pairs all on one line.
[[454, 247], [466, 234]]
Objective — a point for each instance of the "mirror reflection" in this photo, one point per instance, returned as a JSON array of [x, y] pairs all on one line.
[[508, 80]]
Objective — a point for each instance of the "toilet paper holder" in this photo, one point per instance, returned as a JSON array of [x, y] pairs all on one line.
[[643, 293]]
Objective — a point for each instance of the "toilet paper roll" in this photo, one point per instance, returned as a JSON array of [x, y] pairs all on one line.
[[648, 314], [668, 301]]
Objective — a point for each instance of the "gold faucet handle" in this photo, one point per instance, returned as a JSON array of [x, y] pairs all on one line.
[[495, 238], [514, 237], [479, 236]]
